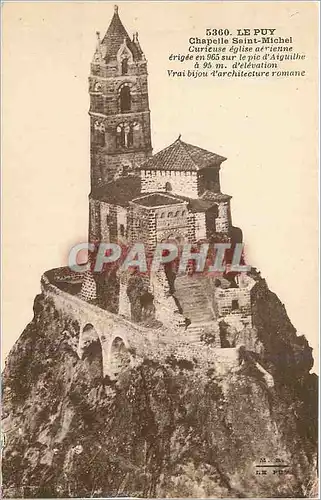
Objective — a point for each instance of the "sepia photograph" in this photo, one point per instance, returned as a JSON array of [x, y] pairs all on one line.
[[160, 293]]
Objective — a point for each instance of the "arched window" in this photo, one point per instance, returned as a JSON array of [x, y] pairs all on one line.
[[170, 214], [168, 186], [162, 215], [125, 99], [125, 134], [124, 66], [177, 213]]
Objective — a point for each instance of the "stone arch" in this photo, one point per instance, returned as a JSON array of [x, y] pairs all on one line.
[[97, 87], [173, 237], [126, 134], [90, 351], [88, 334], [125, 98], [119, 356]]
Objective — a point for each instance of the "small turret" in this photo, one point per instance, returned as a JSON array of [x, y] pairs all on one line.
[[98, 57], [137, 44]]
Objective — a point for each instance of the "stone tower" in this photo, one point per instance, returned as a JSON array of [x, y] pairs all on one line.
[[119, 108]]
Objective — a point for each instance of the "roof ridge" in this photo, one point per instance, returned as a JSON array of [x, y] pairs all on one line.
[[160, 151], [189, 154], [167, 147]]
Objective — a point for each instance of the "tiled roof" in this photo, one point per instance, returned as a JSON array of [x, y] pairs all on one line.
[[120, 191], [157, 200], [181, 156], [114, 38], [210, 196]]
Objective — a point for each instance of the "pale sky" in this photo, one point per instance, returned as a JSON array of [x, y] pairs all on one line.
[[266, 128]]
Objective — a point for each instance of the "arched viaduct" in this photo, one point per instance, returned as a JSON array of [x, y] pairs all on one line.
[[121, 341]]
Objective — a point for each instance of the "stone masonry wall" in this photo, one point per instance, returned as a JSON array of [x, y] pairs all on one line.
[[105, 217], [108, 154], [234, 302], [172, 222], [103, 225], [166, 309], [183, 183], [200, 226], [143, 228], [100, 71], [225, 297], [94, 220], [124, 303], [223, 221], [109, 89], [106, 167]]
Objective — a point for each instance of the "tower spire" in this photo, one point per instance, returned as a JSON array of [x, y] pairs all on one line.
[[119, 108], [114, 38]]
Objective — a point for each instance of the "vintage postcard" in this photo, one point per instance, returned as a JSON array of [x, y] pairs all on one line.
[[160, 249]]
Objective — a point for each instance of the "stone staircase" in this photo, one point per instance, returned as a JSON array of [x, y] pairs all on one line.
[[193, 294], [195, 331]]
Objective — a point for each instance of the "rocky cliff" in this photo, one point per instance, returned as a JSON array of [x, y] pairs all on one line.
[[171, 429]]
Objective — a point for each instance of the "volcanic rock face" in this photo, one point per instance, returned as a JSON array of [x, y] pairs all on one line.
[[169, 429]]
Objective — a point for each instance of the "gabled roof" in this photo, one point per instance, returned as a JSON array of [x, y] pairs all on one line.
[[181, 156], [114, 38]]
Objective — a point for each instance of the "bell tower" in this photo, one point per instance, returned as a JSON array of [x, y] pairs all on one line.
[[119, 108]]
